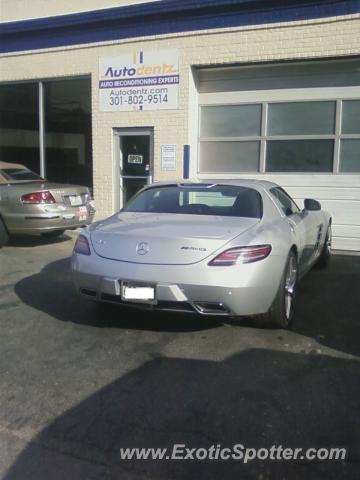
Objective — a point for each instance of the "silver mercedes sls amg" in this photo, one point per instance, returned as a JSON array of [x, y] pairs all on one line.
[[215, 248], [30, 205]]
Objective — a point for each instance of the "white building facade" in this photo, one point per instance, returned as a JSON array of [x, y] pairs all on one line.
[[124, 93]]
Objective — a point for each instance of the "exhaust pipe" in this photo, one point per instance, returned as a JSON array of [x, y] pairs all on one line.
[[209, 308]]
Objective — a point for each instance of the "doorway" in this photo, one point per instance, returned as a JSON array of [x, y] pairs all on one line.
[[135, 159]]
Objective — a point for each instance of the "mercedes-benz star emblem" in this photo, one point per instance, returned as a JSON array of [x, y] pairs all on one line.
[[142, 248]]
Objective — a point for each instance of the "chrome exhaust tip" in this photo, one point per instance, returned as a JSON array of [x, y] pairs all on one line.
[[211, 308]]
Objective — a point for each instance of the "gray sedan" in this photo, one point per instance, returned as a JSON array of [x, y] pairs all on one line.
[[214, 248], [31, 205]]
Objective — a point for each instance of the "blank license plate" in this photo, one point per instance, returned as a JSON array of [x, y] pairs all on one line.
[[137, 292], [75, 200]]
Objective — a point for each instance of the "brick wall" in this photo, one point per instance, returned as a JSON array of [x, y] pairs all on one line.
[[334, 37]]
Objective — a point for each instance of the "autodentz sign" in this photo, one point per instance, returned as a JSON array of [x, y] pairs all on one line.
[[141, 80]]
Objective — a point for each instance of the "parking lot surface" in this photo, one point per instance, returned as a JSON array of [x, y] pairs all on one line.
[[77, 382]]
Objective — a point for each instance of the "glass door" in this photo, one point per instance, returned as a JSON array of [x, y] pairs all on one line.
[[135, 162]]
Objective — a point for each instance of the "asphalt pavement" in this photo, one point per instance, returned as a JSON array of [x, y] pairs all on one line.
[[78, 382]]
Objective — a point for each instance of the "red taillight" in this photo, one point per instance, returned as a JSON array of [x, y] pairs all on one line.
[[238, 255], [82, 246], [38, 197]]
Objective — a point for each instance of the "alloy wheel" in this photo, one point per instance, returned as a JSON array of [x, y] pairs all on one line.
[[290, 285], [328, 241]]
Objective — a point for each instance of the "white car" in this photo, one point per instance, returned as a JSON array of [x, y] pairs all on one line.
[[215, 248]]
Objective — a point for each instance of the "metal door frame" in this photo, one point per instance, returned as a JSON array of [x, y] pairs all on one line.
[[118, 159]]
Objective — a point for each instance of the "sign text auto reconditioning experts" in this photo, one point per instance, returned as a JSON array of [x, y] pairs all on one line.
[[139, 80]]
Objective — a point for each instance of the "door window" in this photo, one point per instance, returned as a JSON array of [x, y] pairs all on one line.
[[135, 155], [135, 164], [283, 201]]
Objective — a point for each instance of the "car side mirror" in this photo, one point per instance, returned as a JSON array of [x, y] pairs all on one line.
[[311, 205]]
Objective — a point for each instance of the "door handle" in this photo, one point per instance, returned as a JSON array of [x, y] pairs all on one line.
[[292, 228]]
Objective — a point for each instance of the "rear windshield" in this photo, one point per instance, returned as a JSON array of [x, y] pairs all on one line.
[[221, 200], [12, 174]]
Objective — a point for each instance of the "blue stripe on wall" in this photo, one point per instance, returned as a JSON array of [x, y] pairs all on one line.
[[167, 16]]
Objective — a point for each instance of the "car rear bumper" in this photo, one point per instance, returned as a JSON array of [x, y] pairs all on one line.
[[233, 291], [34, 223]]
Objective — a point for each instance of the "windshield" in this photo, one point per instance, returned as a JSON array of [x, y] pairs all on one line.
[[12, 174], [197, 199]]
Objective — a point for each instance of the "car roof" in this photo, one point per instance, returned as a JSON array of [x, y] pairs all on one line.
[[248, 182], [5, 165], [12, 165], [242, 182]]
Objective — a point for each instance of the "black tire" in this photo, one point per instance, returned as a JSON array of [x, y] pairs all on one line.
[[53, 234], [324, 259], [4, 235], [281, 312]]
